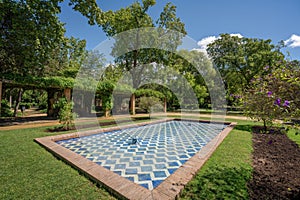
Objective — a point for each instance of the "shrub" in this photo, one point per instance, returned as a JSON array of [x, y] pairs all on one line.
[[42, 101], [107, 104], [5, 109], [148, 103], [26, 105], [275, 95], [65, 115]]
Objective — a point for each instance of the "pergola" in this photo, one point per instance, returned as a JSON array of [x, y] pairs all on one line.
[[51, 85], [64, 87]]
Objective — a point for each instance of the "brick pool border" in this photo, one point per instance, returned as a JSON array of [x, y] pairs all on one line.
[[170, 188]]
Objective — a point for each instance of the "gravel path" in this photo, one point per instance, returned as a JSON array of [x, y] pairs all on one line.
[[39, 120]]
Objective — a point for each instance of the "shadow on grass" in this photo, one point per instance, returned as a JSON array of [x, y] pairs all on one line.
[[243, 127], [140, 118], [219, 183]]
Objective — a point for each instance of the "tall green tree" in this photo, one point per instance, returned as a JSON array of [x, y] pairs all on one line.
[[29, 33], [239, 59], [136, 17], [66, 58], [32, 42], [197, 69], [77, 56]]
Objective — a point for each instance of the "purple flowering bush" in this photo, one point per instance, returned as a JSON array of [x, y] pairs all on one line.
[[274, 95]]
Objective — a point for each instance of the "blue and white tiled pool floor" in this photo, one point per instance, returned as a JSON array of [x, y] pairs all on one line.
[[161, 149]]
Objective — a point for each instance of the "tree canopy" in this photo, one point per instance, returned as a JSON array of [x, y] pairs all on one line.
[[35, 52], [136, 17], [239, 59], [130, 56], [29, 33]]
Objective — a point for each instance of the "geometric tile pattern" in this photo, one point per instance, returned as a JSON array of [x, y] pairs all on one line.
[[158, 151]]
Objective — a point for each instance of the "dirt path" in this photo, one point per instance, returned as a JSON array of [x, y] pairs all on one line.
[[30, 122], [28, 125], [209, 115]]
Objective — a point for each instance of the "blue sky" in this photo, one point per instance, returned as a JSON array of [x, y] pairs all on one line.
[[206, 19]]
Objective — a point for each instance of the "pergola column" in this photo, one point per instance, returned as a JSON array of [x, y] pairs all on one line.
[[88, 102], [50, 109], [67, 93], [132, 104]]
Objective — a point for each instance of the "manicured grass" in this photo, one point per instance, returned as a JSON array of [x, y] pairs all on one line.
[[28, 171], [293, 136], [226, 173]]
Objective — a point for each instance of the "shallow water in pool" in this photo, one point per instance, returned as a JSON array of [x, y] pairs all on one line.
[[147, 154]]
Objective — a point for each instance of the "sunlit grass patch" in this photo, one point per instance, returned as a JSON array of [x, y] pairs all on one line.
[[226, 173]]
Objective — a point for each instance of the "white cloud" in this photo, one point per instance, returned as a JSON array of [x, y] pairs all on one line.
[[203, 43], [206, 41], [293, 41], [200, 50], [237, 34]]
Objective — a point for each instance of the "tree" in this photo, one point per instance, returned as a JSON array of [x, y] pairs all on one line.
[[29, 32], [136, 17], [76, 56], [240, 59], [32, 42], [66, 58], [88, 9], [198, 71]]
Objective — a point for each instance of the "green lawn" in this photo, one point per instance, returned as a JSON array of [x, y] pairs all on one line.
[[28, 171], [225, 174], [293, 136]]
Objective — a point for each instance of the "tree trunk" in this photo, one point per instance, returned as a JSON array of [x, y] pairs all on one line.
[[0, 96], [135, 77], [10, 99], [19, 99], [165, 105], [265, 126]]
